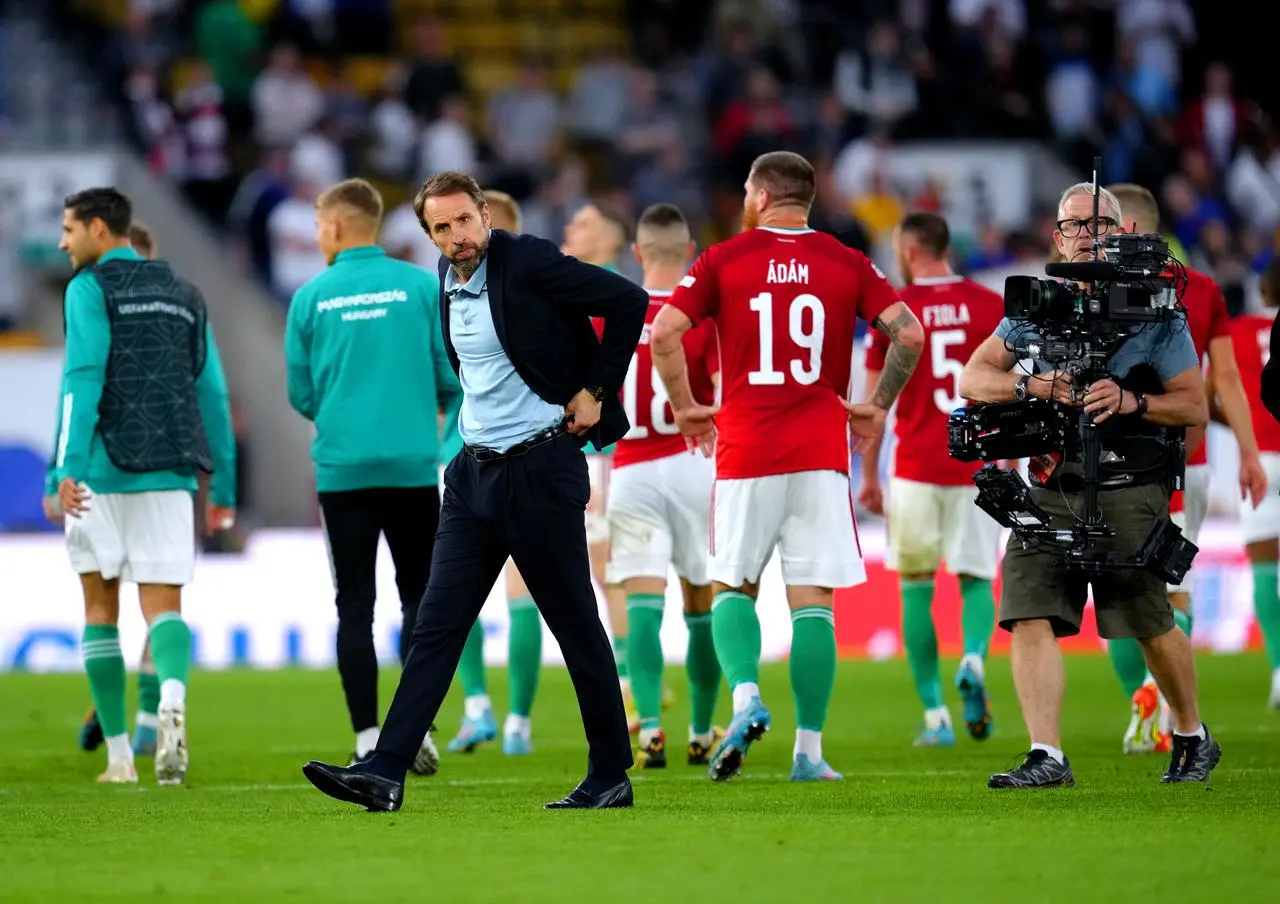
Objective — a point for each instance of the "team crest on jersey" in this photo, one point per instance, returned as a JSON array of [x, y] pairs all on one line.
[[687, 282]]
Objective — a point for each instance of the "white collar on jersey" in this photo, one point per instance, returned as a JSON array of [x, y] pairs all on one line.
[[937, 280], [660, 293], [780, 230]]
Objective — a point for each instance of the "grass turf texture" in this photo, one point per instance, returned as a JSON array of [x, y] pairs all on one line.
[[905, 825]]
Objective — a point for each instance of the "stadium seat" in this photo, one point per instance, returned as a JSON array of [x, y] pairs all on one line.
[[488, 76], [584, 36], [21, 339], [182, 74], [368, 73]]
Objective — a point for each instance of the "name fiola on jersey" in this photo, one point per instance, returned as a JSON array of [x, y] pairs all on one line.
[[946, 315], [787, 272]]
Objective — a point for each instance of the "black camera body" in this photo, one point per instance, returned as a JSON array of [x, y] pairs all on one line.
[[1077, 330]]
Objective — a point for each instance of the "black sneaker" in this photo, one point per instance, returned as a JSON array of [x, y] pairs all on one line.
[[1038, 770], [1192, 758]]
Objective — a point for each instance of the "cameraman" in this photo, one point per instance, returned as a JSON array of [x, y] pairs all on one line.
[[1042, 599]]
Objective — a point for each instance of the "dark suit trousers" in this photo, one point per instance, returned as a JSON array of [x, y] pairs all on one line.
[[532, 508]]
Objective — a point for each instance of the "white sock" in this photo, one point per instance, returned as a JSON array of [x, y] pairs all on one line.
[[1054, 752], [518, 725], [808, 743], [118, 748], [936, 718], [743, 694], [173, 694], [1198, 733], [648, 735], [975, 664], [476, 706], [366, 740], [148, 720], [704, 739]]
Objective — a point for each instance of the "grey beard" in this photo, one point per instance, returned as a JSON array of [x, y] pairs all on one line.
[[468, 267]]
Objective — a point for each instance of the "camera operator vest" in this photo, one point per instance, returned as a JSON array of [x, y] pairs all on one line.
[[149, 417], [1140, 450]]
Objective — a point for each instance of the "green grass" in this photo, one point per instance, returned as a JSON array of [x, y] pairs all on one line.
[[905, 825]]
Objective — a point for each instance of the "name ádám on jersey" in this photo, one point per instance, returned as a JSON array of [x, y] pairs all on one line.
[[787, 272]]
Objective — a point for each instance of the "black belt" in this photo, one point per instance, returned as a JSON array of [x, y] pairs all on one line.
[[483, 453]]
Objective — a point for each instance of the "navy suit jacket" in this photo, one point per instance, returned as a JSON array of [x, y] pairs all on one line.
[[542, 303]]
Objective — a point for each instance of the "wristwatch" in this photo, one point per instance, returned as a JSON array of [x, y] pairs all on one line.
[[1140, 398], [599, 393], [1020, 388]]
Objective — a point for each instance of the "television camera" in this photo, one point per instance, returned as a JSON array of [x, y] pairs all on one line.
[[1076, 326]]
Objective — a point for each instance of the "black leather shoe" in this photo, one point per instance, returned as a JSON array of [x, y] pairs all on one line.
[[584, 798], [355, 786]]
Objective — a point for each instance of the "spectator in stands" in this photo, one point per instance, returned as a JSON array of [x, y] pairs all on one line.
[[523, 128], [732, 58], [433, 75], [1010, 16], [1253, 182], [404, 238], [231, 43], [317, 156], [394, 129], [347, 111], [1157, 30], [1216, 121], [831, 213], [877, 84], [257, 196], [286, 100], [647, 130], [994, 75], [295, 254], [152, 125], [447, 143], [556, 201], [1072, 92], [598, 101], [754, 124], [207, 177]]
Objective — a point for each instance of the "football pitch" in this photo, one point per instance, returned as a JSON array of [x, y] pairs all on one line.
[[905, 825]]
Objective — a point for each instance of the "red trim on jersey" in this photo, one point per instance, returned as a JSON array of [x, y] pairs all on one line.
[[711, 534], [853, 513]]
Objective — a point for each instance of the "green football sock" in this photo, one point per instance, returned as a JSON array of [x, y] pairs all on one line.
[[471, 665], [525, 655], [1183, 620], [104, 667], [736, 630], [704, 672], [148, 691], [813, 664], [977, 614], [171, 648], [620, 656], [921, 641], [1129, 664], [644, 654], [1266, 608]]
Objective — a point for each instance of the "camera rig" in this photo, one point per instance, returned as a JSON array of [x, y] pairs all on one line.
[[1076, 327]]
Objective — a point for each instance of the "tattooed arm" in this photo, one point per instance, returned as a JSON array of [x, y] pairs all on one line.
[[906, 340]]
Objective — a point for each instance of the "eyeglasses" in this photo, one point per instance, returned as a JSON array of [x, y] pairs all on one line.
[[1071, 228]]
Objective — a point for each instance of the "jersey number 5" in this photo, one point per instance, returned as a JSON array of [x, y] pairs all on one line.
[[658, 407], [809, 341], [947, 398]]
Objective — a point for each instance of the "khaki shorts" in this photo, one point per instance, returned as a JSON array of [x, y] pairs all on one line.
[[1131, 602]]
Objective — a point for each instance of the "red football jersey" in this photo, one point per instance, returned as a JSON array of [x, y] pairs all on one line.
[[785, 303], [653, 432], [1251, 339], [957, 315], [1207, 320]]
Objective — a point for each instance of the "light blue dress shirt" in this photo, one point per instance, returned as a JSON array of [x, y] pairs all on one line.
[[498, 408]]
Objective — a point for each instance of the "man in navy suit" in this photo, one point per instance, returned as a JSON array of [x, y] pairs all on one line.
[[537, 386]]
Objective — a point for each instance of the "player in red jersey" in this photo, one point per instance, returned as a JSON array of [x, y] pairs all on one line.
[[659, 509], [1251, 335], [785, 300], [1148, 728], [931, 512]]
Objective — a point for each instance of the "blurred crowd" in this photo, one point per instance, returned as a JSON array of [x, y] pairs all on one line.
[[272, 107]]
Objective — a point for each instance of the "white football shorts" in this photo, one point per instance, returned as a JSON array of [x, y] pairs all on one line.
[[930, 524], [1195, 505], [806, 515], [1263, 522], [659, 516], [143, 538]]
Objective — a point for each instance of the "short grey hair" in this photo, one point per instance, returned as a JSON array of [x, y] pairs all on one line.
[[1105, 200]]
